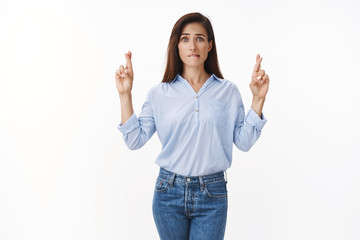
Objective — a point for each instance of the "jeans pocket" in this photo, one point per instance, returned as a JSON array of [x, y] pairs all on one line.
[[216, 189], [162, 184]]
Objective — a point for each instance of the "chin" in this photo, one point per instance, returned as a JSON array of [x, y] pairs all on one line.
[[193, 64]]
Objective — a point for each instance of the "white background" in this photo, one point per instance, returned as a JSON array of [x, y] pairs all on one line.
[[65, 171]]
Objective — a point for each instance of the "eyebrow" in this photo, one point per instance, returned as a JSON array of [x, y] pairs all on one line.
[[197, 34]]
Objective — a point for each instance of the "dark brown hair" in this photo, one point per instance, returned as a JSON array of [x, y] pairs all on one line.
[[174, 64]]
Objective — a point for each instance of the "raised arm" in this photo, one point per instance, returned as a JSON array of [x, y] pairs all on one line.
[[248, 128], [259, 86], [136, 130], [124, 77]]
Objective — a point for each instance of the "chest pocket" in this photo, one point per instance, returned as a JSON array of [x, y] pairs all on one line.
[[218, 113]]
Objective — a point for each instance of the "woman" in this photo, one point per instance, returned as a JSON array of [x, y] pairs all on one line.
[[198, 115]]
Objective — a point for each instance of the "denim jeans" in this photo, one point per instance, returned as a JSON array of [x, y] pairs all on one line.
[[192, 208]]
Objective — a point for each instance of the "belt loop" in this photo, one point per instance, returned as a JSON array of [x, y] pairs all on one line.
[[201, 183], [226, 176], [171, 180]]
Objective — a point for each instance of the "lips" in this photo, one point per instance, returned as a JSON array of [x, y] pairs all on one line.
[[194, 55]]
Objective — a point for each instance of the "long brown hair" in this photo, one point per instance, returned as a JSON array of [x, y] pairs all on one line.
[[174, 64]]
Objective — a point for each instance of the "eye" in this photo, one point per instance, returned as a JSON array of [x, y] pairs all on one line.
[[200, 39], [184, 39]]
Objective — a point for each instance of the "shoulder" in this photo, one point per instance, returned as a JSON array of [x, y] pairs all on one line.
[[231, 92], [234, 88], [230, 86], [158, 89]]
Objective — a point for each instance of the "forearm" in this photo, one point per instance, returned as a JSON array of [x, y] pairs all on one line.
[[257, 105], [126, 107]]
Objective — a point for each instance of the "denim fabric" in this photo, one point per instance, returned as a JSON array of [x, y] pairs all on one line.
[[192, 208]]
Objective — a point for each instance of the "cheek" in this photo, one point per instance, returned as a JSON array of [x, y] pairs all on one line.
[[204, 47], [181, 51], [181, 47], [205, 51]]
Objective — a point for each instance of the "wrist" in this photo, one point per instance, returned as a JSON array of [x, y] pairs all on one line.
[[258, 100], [257, 105], [125, 95]]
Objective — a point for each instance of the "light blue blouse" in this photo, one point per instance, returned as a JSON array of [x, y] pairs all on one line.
[[196, 130]]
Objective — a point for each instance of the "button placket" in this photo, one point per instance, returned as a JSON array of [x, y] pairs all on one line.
[[196, 109]]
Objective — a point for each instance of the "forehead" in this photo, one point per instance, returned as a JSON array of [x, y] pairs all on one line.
[[194, 28]]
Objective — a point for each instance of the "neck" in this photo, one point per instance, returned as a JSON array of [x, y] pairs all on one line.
[[195, 75]]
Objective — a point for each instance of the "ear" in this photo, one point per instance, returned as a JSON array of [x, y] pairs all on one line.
[[210, 45]]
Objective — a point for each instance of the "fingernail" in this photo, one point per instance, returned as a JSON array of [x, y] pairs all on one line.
[[259, 77], [126, 71]]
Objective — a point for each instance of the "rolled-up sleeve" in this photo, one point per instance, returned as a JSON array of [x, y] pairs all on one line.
[[253, 119], [138, 130], [248, 128]]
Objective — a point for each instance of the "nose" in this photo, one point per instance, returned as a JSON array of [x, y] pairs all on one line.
[[193, 45]]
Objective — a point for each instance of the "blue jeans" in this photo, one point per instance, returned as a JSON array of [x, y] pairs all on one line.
[[192, 208]]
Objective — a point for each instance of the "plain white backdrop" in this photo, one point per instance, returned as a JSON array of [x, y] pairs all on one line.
[[65, 171]]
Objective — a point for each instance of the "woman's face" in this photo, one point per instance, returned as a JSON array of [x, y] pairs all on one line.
[[193, 45]]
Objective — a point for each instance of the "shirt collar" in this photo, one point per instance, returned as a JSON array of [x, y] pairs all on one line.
[[217, 78], [213, 76]]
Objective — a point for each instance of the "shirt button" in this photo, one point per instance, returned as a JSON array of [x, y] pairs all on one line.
[[196, 110], [197, 97]]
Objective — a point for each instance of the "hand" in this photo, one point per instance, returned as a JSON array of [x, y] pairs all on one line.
[[124, 76], [259, 84]]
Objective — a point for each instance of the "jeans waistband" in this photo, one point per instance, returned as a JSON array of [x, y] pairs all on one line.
[[205, 178]]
